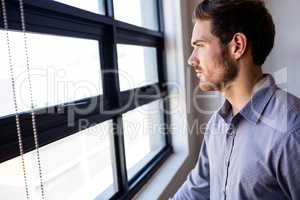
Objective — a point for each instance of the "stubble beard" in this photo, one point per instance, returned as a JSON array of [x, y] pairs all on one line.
[[227, 73]]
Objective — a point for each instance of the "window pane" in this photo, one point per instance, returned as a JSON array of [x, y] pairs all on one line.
[[95, 6], [138, 12], [137, 66], [76, 167], [144, 135], [63, 69]]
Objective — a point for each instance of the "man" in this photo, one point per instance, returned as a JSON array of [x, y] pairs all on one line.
[[251, 148]]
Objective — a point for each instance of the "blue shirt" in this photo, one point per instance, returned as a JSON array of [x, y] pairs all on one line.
[[253, 155]]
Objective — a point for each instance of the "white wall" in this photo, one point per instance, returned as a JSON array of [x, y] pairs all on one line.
[[284, 60]]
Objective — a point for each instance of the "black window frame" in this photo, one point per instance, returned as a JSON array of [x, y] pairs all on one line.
[[46, 16]]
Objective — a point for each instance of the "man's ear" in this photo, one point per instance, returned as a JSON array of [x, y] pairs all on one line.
[[238, 45]]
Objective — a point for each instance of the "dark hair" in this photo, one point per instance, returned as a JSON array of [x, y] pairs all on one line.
[[249, 17]]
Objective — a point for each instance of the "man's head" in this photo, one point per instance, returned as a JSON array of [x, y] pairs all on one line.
[[226, 35]]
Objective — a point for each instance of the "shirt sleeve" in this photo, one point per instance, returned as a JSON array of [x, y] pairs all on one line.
[[288, 170], [196, 186]]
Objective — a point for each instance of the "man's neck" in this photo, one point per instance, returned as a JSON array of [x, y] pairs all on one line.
[[239, 91]]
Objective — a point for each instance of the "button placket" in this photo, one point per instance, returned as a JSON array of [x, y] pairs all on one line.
[[230, 136]]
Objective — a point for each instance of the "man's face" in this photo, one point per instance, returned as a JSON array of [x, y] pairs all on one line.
[[213, 65]]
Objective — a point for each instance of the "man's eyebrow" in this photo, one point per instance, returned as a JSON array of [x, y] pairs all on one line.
[[198, 41]]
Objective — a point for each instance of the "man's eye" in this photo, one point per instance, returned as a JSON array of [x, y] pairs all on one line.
[[199, 45]]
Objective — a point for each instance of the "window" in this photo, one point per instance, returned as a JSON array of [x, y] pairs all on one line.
[[96, 6], [100, 98], [57, 66], [138, 12], [143, 134], [137, 66], [76, 167]]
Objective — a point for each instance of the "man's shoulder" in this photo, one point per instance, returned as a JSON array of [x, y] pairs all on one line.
[[282, 111]]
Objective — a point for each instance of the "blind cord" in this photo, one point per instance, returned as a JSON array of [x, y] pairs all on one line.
[[12, 77], [13, 86], [35, 133]]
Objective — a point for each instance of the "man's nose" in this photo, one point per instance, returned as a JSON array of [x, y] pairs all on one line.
[[193, 60]]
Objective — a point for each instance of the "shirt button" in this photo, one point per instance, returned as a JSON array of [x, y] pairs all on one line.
[[231, 133], [227, 162], [231, 130]]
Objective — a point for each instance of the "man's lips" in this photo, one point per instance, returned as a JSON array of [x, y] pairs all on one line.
[[198, 74]]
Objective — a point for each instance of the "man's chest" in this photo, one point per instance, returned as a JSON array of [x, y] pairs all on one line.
[[241, 162]]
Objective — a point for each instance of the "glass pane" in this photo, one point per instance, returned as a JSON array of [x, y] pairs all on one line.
[[95, 6], [144, 135], [76, 167], [138, 12], [137, 66], [63, 69]]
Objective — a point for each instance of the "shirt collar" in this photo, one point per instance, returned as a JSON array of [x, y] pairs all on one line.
[[253, 110]]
